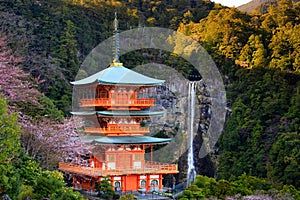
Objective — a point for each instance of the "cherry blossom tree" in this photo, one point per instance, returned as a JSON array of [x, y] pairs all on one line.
[[46, 139], [15, 83], [50, 142]]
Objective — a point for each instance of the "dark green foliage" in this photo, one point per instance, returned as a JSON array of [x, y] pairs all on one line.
[[46, 186], [205, 187], [105, 190], [46, 108], [9, 133], [259, 115], [285, 158], [50, 184], [9, 150], [38, 184], [9, 180]]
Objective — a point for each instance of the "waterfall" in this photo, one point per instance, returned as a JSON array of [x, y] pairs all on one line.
[[191, 173]]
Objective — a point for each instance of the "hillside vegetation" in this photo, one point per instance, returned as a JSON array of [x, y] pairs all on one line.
[[259, 58]]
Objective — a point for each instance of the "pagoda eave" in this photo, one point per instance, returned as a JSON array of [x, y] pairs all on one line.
[[116, 113], [129, 113], [125, 140]]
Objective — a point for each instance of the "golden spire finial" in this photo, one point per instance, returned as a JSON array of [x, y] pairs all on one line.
[[116, 48]]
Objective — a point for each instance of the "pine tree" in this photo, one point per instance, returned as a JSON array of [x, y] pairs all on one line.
[[67, 51]]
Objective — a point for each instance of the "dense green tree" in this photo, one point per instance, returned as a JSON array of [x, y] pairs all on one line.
[[281, 48], [253, 53], [205, 187], [285, 157], [105, 189], [67, 50], [9, 133]]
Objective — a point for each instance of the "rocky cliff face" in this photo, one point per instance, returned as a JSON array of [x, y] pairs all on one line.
[[172, 98]]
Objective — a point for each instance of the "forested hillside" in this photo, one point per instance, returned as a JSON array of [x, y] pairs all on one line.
[[259, 58], [43, 43]]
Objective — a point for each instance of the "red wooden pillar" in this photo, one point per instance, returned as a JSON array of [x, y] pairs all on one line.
[[148, 183], [138, 181], [124, 188], [122, 183], [160, 182], [112, 181]]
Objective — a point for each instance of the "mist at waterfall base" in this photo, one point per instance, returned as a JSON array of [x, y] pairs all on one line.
[[191, 172]]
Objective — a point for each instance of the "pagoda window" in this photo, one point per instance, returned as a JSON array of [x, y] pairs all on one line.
[[88, 93], [101, 93], [137, 165], [137, 156], [143, 93], [154, 183], [111, 157], [131, 93], [83, 94], [117, 185], [143, 183], [111, 165]]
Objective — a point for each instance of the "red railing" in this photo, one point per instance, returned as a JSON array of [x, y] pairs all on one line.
[[122, 129], [148, 168], [161, 166], [108, 102]]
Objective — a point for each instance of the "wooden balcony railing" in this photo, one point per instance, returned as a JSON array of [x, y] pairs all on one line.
[[109, 102], [149, 168], [122, 130]]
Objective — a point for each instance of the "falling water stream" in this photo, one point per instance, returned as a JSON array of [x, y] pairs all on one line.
[[191, 173]]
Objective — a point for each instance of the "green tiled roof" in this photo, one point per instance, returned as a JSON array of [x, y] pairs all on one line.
[[119, 113], [128, 113], [125, 140], [119, 75]]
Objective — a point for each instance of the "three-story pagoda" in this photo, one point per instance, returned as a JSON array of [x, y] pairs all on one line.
[[119, 99]]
